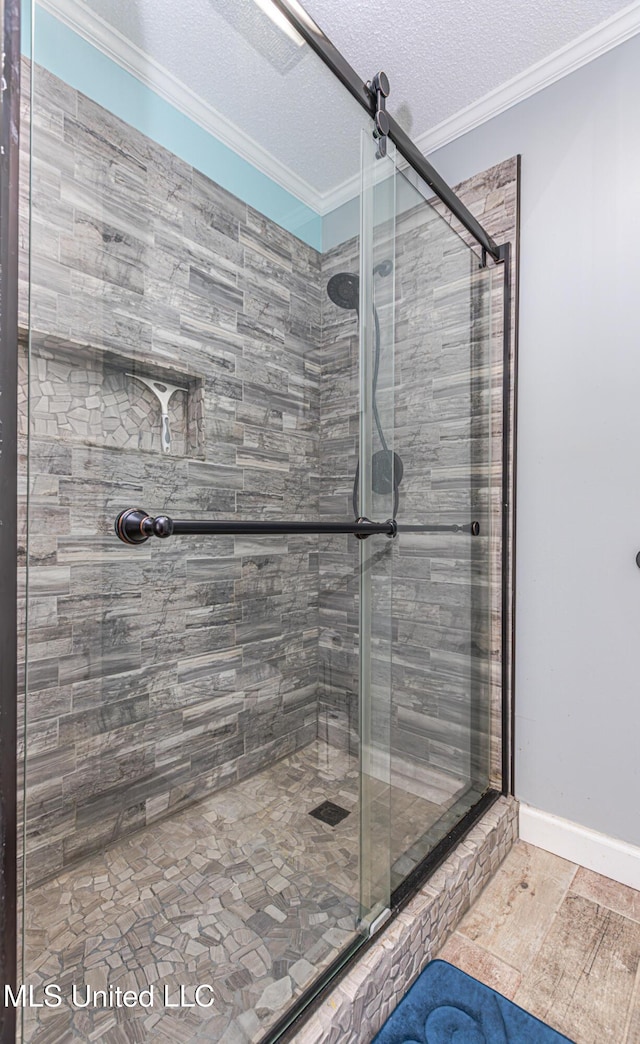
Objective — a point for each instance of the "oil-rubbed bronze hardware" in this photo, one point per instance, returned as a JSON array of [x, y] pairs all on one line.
[[381, 89], [135, 526]]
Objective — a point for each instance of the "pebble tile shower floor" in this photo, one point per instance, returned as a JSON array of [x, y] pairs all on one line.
[[245, 891]]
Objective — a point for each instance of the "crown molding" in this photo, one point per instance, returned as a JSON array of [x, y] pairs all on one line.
[[597, 41], [115, 46], [584, 49]]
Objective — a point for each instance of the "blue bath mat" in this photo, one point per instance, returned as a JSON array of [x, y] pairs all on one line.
[[447, 1006]]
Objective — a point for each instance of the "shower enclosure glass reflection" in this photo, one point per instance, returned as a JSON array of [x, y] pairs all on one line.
[[236, 746]]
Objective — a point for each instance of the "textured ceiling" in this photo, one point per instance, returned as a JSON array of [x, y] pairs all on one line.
[[294, 109], [440, 55]]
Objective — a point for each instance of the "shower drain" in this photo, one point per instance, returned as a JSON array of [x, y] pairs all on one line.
[[330, 813]]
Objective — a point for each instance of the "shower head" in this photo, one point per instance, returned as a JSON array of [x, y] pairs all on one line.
[[344, 287], [344, 290]]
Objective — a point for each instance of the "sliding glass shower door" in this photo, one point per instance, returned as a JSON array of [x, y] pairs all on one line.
[[445, 602], [187, 820], [376, 499], [248, 712]]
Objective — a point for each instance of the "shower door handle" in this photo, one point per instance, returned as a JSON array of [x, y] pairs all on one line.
[[135, 526]]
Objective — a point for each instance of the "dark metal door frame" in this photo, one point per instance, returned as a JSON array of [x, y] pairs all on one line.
[[9, 142]]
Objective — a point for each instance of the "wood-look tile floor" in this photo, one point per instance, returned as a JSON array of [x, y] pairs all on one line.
[[560, 941]]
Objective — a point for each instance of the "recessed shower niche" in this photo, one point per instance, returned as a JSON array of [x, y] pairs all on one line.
[[110, 406]]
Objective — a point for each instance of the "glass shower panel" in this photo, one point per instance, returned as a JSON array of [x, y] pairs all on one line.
[[442, 627], [188, 818], [377, 495]]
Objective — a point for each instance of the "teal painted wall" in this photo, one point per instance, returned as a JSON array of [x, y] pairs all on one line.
[[88, 70]]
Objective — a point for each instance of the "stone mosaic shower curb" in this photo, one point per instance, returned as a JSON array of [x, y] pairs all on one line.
[[356, 1009]]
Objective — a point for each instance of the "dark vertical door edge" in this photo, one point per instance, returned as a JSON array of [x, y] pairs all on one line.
[[9, 131], [511, 709], [506, 515]]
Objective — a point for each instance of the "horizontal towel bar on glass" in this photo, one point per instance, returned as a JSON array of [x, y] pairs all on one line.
[[135, 526]]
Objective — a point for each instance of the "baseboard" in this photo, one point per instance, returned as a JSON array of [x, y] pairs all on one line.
[[606, 855]]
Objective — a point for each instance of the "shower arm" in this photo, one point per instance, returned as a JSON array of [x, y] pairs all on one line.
[[135, 526]]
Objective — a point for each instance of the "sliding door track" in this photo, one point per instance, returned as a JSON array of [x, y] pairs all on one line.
[[293, 1020]]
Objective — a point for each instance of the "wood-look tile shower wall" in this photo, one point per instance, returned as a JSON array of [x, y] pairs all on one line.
[[446, 424], [160, 673]]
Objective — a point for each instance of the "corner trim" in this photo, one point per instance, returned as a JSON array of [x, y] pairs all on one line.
[[599, 852], [592, 44]]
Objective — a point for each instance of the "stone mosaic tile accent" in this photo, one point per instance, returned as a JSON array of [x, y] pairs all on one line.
[[83, 394], [355, 1010], [246, 891]]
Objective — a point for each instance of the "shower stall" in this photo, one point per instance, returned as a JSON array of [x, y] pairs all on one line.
[[264, 509]]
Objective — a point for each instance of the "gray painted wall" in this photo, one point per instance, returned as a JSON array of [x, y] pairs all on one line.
[[578, 588]]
